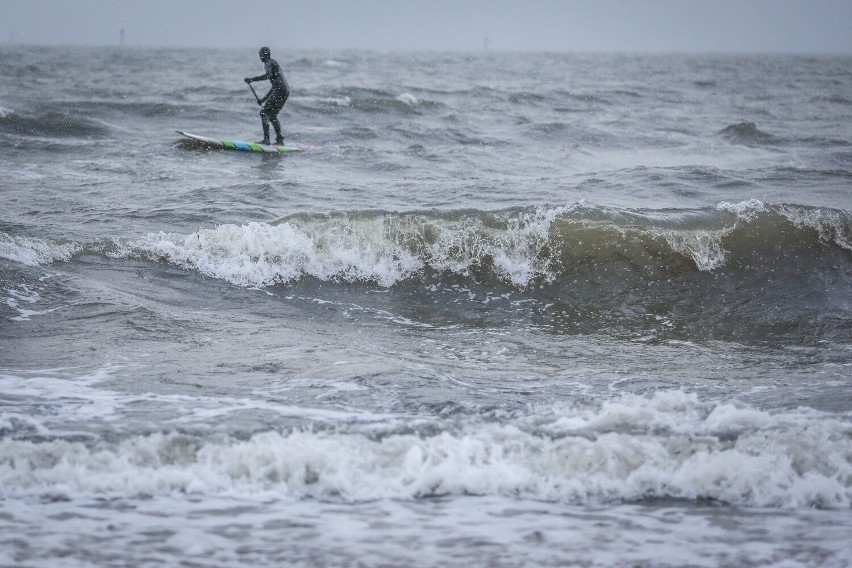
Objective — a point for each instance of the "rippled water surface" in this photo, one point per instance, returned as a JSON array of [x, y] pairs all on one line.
[[500, 309]]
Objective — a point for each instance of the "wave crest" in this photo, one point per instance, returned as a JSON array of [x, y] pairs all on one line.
[[51, 124], [381, 248], [746, 133], [520, 247], [35, 252]]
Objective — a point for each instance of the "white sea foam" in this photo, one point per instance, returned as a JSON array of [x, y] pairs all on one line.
[[383, 249], [6, 112], [519, 255], [35, 252], [408, 99], [25, 296], [260, 254], [745, 210], [703, 247], [52, 404], [831, 225], [514, 247], [670, 444]]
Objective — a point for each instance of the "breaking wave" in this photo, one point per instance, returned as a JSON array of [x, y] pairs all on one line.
[[521, 247], [634, 448], [34, 251], [740, 271]]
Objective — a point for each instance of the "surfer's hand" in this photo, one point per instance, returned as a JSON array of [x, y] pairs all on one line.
[[247, 80], [260, 103]]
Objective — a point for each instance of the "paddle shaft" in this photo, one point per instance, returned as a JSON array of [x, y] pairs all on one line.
[[255, 94]]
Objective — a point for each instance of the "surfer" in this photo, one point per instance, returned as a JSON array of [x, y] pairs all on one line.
[[276, 97]]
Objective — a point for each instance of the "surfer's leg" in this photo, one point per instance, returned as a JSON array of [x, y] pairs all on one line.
[[272, 108], [279, 138], [264, 120]]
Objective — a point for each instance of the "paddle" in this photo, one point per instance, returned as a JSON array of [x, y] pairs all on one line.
[[255, 94]]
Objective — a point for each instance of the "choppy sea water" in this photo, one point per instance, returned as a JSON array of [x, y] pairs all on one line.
[[501, 309]]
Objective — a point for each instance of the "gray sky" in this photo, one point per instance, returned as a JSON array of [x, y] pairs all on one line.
[[797, 26]]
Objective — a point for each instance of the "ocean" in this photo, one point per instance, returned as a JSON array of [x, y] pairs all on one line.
[[501, 309]]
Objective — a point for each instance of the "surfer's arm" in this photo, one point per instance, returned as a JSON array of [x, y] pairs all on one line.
[[258, 78]]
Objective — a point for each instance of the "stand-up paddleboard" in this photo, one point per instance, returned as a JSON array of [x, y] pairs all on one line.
[[216, 143]]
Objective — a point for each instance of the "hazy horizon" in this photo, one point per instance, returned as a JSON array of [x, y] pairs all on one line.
[[654, 26]]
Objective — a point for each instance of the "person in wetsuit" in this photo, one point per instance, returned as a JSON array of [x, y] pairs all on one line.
[[275, 98]]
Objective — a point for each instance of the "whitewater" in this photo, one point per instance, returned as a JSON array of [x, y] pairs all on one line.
[[501, 310]]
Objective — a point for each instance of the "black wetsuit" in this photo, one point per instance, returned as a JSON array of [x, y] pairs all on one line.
[[274, 99]]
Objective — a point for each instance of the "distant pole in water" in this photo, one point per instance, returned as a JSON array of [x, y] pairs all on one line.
[[121, 38], [485, 43]]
